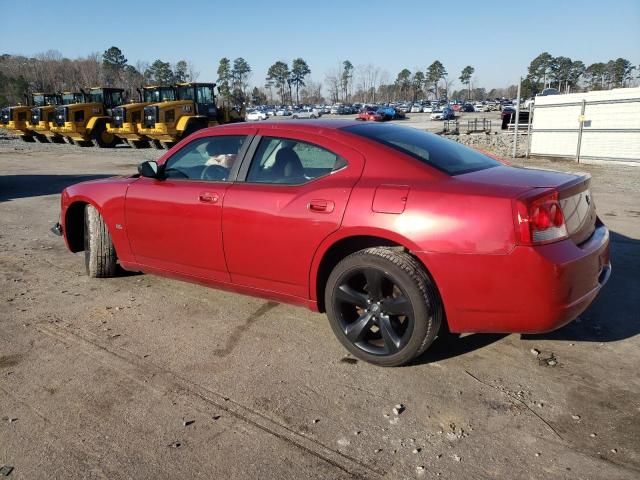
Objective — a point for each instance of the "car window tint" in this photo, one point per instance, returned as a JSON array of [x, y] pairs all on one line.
[[445, 155], [207, 159], [291, 162]]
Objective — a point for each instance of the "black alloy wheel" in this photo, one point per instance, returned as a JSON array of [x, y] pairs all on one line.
[[382, 306], [373, 311]]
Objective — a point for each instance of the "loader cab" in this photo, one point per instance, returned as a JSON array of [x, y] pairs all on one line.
[[202, 95], [158, 94], [45, 99], [109, 97], [69, 98]]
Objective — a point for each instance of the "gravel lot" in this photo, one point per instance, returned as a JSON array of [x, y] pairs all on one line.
[[143, 377]]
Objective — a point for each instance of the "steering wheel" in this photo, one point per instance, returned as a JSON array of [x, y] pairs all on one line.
[[214, 172]]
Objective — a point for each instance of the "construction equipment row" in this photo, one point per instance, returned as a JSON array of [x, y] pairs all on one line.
[[162, 116]]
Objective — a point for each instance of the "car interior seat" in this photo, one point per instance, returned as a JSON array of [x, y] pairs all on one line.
[[287, 167]]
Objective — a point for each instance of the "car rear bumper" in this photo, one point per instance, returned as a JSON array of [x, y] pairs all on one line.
[[531, 290]]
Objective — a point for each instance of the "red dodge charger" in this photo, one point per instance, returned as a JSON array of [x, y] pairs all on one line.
[[395, 233]]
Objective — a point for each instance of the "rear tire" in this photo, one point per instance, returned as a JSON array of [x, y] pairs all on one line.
[[99, 253], [100, 137], [382, 306]]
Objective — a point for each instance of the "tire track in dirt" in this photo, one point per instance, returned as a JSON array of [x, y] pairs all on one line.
[[160, 379]]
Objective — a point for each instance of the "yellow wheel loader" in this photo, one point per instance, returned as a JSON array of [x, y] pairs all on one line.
[[42, 117], [85, 123], [195, 108], [127, 119], [17, 119]]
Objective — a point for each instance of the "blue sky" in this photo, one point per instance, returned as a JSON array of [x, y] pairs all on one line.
[[498, 38]]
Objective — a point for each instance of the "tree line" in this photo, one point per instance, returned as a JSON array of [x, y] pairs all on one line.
[[289, 83], [51, 72]]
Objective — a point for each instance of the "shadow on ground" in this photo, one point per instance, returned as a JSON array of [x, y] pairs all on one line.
[[613, 316], [24, 186]]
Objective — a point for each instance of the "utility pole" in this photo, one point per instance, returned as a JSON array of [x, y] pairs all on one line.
[[515, 129]]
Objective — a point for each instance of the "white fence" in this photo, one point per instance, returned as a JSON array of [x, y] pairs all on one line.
[[603, 125]]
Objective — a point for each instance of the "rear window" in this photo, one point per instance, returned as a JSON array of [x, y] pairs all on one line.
[[445, 155]]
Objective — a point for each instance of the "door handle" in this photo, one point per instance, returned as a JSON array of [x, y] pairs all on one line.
[[208, 197], [321, 206]]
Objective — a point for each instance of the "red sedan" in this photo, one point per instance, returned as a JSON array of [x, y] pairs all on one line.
[[370, 114], [395, 233]]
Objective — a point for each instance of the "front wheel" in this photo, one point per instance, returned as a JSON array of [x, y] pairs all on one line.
[[382, 306], [99, 252], [101, 137]]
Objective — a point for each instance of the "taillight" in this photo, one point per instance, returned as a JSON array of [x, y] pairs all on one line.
[[539, 218]]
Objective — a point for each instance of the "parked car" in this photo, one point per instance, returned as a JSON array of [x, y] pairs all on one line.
[[254, 115], [416, 108], [508, 116], [436, 113], [283, 112], [479, 107], [427, 108], [370, 113], [388, 113], [445, 113], [496, 248], [305, 113], [467, 107]]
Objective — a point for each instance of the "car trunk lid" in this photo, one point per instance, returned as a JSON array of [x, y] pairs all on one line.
[[574, 194]]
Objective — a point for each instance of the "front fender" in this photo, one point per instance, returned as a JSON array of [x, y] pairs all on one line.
[[183, 123], [94, 121], [108, 197]]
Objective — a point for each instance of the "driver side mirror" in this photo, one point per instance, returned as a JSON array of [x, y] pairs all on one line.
[[149, 169]]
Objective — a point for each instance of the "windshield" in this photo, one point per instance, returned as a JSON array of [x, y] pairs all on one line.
[[159, 94], [445, 155], [38, 100], [69, 98], [186, 93], [96, 96], [115, 99], [52, 100]]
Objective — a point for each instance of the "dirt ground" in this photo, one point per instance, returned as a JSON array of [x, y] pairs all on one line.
[[143, 377]]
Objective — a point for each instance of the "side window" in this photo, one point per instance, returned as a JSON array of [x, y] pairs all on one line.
[[291, 162], [208, 159]]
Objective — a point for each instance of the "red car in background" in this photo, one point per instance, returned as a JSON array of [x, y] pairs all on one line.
[[370, 113], [395, 233]]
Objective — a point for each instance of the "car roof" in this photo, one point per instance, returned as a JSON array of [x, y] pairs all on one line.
[[309, 126]]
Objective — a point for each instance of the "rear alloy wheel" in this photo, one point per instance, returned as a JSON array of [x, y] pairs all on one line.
[[99, 252], [382, 306]]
